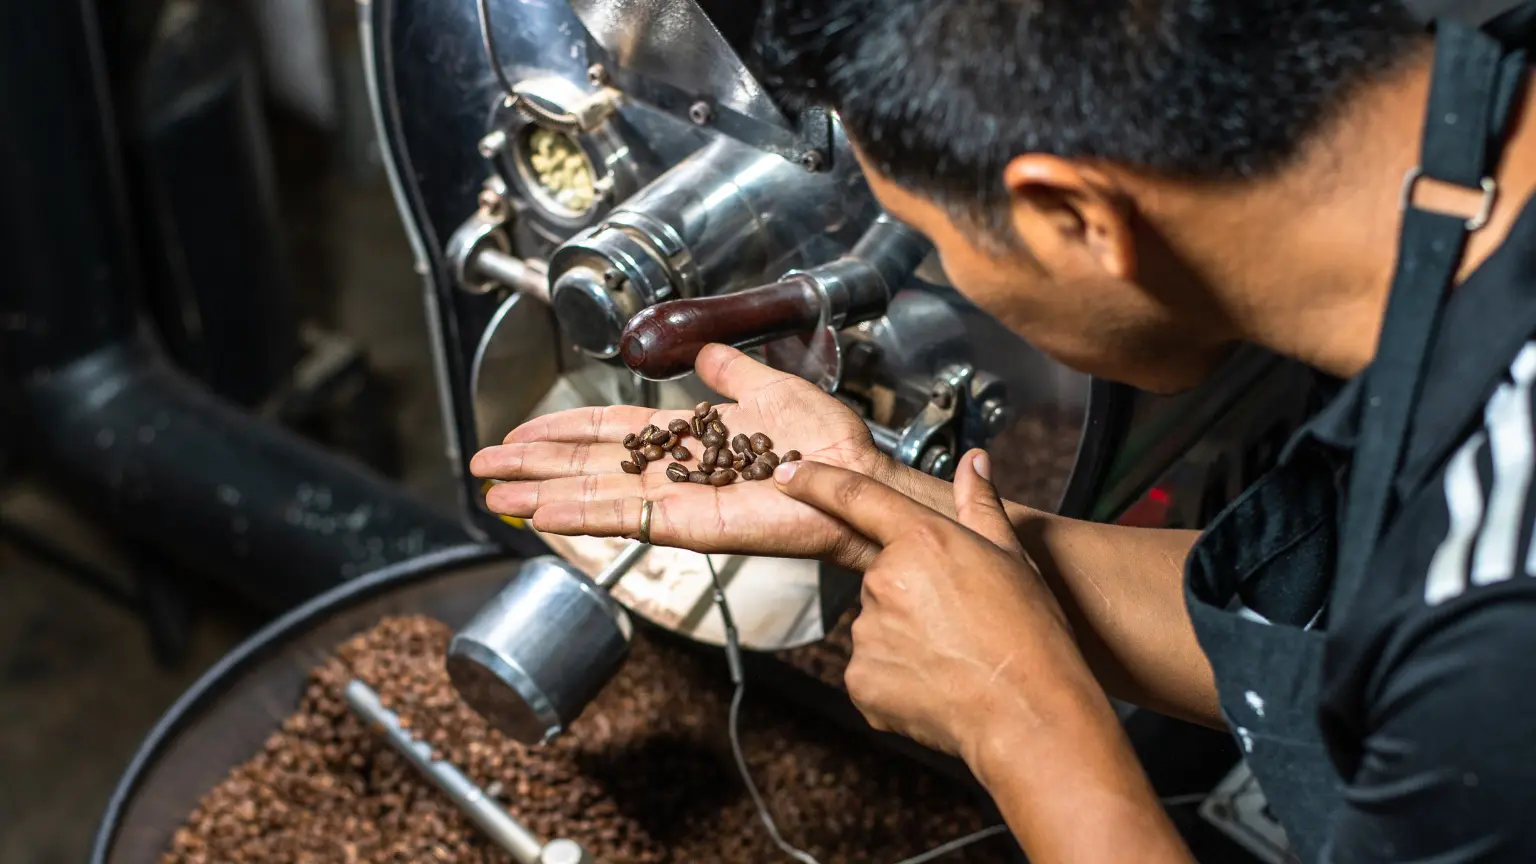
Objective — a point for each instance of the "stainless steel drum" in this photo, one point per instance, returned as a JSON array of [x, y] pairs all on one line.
[[619, 154]]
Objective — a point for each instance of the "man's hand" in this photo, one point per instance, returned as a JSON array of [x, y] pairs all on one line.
[[961, 646], [952, 611], [562, 470]]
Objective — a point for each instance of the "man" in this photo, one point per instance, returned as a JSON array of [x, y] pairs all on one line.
[[1135, 187]]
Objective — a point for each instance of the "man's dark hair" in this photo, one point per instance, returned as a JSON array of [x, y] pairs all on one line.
[[941, 94]]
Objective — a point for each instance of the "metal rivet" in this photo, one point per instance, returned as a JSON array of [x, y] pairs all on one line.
[[700, 113], [812, 160], [493, 143]]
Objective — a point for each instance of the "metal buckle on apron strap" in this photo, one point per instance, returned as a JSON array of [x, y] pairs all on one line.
[[1475, 221]]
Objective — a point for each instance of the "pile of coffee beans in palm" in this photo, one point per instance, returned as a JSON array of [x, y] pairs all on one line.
[[644, 776], [750, 457]]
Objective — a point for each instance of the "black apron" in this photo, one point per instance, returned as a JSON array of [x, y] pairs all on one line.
[[1279, 562]]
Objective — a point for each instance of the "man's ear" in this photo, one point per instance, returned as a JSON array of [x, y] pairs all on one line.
[[1067, 208]]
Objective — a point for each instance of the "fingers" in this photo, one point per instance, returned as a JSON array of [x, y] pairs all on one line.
[[607, 424], [521, 498], [977, 506], [543, 460], [733, 374], [871, 508], [619, 517]]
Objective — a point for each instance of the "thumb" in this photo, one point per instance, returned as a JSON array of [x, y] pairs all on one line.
[[733, 374], [977, 506]]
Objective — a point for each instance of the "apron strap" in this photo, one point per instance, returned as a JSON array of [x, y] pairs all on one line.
[[1473, 88]]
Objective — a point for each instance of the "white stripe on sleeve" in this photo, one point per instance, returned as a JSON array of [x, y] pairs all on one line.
[[1512, 448], [1447, 576]]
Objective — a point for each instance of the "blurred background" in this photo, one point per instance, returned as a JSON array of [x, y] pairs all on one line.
[[279, 275], [283, 279]]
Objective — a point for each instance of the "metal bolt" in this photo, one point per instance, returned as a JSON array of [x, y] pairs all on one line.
[[812, 160], [597, 76], [700, 113], [942, 395], [994, 415], [493, 143], [937, 461]]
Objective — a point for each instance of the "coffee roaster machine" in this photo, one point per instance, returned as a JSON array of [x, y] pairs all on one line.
[[593, 190], [596, 189]]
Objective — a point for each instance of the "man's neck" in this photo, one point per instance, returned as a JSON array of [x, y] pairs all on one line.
[[1305, 261]]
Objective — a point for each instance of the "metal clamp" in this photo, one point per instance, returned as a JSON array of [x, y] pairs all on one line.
[[479, 253], [965, 409], [1477, 221]]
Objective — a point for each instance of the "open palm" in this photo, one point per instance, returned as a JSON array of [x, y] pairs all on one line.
[[562, 469]]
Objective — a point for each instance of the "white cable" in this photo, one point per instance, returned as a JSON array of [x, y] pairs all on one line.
[[957, 843], [739, 679]]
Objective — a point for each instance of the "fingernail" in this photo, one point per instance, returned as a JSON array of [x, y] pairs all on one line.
[[982, 465], [785, 472]]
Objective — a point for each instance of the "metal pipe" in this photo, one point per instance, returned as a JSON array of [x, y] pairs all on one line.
[[102, 412], [506, 832], [621, 565], [523, 275]]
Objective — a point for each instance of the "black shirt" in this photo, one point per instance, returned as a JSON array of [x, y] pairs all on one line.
[[1428, 702]]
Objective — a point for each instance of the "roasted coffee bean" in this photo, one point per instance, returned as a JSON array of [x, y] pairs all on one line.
[[712, 439], [638, 457], [722, 477], [698, 477], [756, 471], [680, 453], [647, 432], [672, 441], [697, 424], [718, 428], [630, 467], [677, 473], [632, 442], [760, 443], [741, 443], [790, 456], [738, 462], [769, 458], [749, 456], [324, 788], [659, 437], [654, 453], [707, 461], [712, 417], [702, 409], [678, 427]]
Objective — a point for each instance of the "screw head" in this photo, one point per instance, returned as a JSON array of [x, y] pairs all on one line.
[[700, 113], [942, 395], [493, 143], [812, 160], [597, 76], [489, 201], [612, 278], [937, 461], [994, 415]]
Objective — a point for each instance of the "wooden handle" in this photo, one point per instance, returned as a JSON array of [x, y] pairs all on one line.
[[664, 340]]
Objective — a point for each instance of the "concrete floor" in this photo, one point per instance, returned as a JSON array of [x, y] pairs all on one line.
[[79, 686]]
